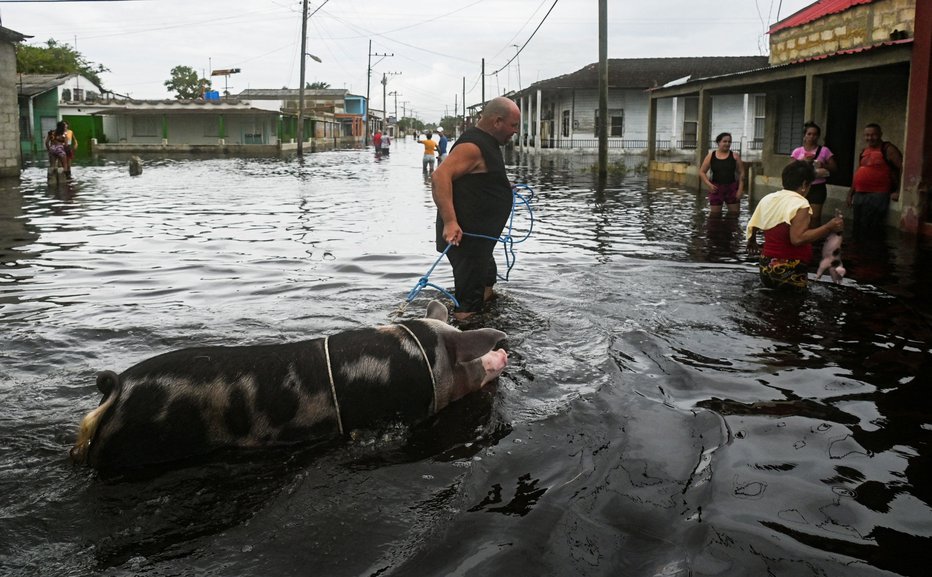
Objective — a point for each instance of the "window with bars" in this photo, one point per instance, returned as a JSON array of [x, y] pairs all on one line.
[[145, 126], [789, 122], [760, 106], [690, 122], [616, 122]]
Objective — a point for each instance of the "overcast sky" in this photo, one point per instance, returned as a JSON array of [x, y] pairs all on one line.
[[435, 45]]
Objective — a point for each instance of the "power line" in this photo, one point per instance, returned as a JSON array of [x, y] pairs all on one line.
[[528, 40]]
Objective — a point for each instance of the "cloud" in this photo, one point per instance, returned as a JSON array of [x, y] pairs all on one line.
[[433, 46]]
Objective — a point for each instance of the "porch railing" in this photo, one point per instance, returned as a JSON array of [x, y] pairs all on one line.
[[662, 146]]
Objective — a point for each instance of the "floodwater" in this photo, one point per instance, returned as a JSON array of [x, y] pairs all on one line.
[[662, 415]]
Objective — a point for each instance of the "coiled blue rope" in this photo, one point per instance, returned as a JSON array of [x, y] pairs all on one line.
[[507, 240]]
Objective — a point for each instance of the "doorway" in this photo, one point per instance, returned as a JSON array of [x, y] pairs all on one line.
[[841, 129]]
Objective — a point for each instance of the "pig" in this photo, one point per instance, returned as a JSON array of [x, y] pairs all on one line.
[[194, 401], [831, 259]]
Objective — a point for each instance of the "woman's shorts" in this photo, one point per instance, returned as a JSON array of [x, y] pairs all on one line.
[[817, 194], [782, 273], [724, 194]]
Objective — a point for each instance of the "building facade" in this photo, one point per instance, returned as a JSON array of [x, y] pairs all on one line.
[[842, 64], [10, 156], [562, 113]]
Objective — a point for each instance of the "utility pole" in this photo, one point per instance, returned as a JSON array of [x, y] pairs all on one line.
[[464, 105], [369, 82], [385, 76], [603, 92], [395, 93], [301, 86], [518, 58], [404, 104], [483, 82]]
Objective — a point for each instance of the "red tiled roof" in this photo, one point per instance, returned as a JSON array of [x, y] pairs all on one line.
[[816, 11]]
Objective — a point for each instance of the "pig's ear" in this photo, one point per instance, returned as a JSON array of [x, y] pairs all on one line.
[[471, 345], [436, 310]]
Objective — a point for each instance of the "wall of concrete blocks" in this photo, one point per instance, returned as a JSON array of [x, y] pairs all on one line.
[[857, 27]]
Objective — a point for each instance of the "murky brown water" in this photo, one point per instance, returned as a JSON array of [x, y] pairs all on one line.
[[662, 414]]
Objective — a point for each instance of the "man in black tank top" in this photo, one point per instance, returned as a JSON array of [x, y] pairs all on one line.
[[473, 195]]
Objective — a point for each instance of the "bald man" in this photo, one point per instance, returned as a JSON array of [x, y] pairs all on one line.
[[473, 194]]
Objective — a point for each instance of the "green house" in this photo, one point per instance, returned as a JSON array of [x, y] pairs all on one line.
[[41, 97]]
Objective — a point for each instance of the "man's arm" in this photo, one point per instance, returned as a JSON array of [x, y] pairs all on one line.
[[462, 160], [704, 171]]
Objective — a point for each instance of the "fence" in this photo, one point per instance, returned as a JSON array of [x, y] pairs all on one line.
[[662, 146]]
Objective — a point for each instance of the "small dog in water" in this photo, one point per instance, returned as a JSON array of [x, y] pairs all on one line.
[[831, 257]]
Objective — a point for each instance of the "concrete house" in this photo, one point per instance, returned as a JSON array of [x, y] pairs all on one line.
[[10, 158], [561, 113], [331, 116], [200, 126], [843, 64], [44, 99]]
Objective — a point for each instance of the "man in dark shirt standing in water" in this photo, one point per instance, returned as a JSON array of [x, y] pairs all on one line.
[[473, 194]]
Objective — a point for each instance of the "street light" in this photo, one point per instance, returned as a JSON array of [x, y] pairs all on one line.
[[518, 58]]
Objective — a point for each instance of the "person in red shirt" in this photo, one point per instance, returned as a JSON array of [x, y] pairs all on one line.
[[784, 216], [876, 182]]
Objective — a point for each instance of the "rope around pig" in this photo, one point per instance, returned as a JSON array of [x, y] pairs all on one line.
[[507, 240]]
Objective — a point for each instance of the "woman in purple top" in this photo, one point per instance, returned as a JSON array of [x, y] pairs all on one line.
[[823, 161]]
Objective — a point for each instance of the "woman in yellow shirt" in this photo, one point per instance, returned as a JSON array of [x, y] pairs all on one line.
[[430, 147]]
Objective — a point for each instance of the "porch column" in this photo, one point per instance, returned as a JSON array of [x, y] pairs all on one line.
[[529, 144], [521, 125], [573, 118], [674, 122], [164, 129], [703, 135], [221, 129], [537, 136], [917, 160], [813, 108], [651, 129]]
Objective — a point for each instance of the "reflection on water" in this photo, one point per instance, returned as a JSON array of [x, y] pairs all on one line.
[[662, 413]]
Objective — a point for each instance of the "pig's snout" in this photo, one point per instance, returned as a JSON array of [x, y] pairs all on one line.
[[494, 362]]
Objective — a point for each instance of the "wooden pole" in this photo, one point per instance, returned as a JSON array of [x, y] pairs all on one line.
[[603, 90], [301, 87]]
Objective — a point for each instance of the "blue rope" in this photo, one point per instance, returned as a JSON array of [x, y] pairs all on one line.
[[422, 282], [507, 240]]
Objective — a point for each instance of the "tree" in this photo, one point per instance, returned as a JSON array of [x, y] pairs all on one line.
[[185, 83], [55, 58], [449, 124], [317, 85], [407, 124]]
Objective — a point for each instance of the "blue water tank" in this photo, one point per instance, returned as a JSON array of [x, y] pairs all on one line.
[[212, 95]]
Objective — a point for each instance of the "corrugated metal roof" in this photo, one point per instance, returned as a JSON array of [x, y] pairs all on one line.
[[281, 93], [645, 73], [12, 35], [788, 65], [33, 84], [816, 11], [169, 106]]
